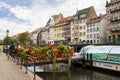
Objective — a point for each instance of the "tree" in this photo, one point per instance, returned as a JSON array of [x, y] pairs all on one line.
[[24, 38], [1, 41], [9, 40]]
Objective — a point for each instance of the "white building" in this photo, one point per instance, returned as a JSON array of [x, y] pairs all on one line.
[[34, 35], [96, 30], [49, 30]]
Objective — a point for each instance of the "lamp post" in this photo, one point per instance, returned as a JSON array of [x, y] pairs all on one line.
[[7, 32], [83, 44]]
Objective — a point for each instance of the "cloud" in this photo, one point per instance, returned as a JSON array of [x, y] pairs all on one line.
[[37, 14], [4, 6], [12, 26]]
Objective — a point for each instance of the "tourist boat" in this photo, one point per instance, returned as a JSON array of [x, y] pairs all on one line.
[[106, 56]]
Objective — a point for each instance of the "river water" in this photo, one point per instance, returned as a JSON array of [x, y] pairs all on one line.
[[76, 73]]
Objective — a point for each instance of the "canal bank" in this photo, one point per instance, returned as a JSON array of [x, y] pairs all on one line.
[[78, 73]]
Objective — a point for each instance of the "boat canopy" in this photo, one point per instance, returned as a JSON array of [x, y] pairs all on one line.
[[107, 49]]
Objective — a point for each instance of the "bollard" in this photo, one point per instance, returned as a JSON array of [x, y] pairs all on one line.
[[21, 61], [26, 64], [34, 68]]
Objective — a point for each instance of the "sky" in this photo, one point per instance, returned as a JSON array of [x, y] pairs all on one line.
[[27, 15]]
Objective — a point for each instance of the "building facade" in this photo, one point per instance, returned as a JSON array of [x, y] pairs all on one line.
[[62, 31], [46, 35], [113, 21], [78, 25], [34, 35], [96, 30]]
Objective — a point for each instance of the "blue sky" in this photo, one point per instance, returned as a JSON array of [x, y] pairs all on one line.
[[28, 15]]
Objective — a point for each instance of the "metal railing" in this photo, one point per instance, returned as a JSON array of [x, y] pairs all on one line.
[[18, 58]]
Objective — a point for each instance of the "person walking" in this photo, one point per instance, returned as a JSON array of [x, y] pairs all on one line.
[[0, 49]]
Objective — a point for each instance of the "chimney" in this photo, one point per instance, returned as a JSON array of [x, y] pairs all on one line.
[[106, 2]]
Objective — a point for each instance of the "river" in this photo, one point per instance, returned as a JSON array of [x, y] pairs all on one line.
[[76, 73]]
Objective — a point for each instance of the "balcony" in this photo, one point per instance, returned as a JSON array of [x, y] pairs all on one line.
[[66, 32], [115, 10], [112, 3], [66, 28], [115, 29], [67, 36], [116, 19]]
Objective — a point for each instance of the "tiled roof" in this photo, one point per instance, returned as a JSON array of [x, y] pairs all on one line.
[[95, 19], [65, 19], [84, 11]]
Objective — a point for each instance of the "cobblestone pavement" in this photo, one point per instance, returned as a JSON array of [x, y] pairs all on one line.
[[10, 71]]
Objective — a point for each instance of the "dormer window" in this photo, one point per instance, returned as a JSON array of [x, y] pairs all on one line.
[[82, 15], [75, 17]]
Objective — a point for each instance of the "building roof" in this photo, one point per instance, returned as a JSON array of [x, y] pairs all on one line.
[[96, 19], [65, 19], [85, 11], [56, 18]]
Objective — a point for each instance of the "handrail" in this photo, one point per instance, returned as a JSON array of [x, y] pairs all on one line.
[[19, 56]]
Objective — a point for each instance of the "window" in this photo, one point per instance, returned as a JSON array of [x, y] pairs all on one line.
[[90, 29], [73, 28], [88, 26], [76, 17], [83, 15], [90, 35], [87, 35], [118, 38], [84, 33], [87, 30], [97, 29], [80, 27], [62, 34], [55, 35], [84, 26], [119, 25], [93, 29], [80, 33], [73, 34], [97, 41]]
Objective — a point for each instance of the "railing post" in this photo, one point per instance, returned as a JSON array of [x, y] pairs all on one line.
[[26, 63], [34, 68], [21, 61]]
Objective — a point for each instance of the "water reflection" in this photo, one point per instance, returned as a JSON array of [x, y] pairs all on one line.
[[76, 74]]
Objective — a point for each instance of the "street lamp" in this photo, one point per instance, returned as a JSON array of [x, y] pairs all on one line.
[[83, 44], [7, 32]]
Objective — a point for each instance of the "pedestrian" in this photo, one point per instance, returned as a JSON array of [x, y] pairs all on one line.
[[0, 49]]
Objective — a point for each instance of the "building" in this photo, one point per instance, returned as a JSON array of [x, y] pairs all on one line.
[[62, 30], [46, 35], [113, 21], [40, 37], [34, 35], [96, 30], [78, 25], [49, 27]]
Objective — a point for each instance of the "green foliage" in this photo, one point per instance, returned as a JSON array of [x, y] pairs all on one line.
[[1, 41], [36, 49], [100, 56], [22, 49], [63, 49], [114, 58], [24, 38], [9, 40]]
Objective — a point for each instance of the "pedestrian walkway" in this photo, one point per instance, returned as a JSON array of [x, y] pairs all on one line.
[[10, 71]]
